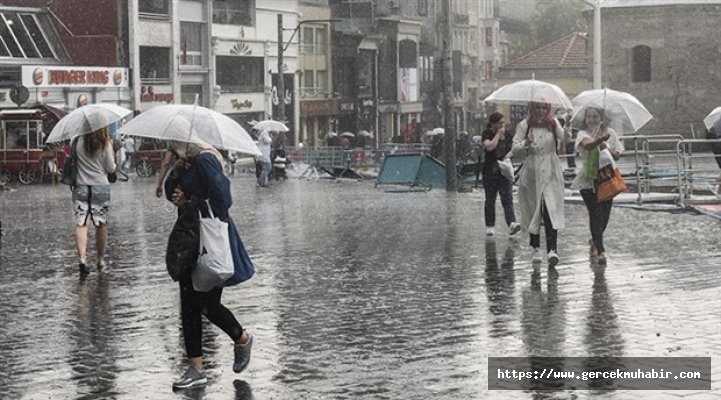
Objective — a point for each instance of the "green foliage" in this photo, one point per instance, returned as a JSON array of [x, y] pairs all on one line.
[[554, 19]]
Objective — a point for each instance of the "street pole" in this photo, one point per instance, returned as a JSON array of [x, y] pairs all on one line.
[[281, 81], [596, 4], [449, 126], [597, 45]]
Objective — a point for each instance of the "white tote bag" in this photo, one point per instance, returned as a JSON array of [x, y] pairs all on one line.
[[215, 262]]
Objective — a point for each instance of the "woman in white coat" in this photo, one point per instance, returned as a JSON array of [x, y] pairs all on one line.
[[540, 185]]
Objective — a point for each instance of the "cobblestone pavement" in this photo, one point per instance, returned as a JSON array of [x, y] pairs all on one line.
[[360, 294]]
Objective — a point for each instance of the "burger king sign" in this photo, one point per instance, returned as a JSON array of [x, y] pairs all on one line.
[[95, 77]]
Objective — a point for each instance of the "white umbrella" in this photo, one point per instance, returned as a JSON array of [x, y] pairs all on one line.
[[438, 131], [347, 134], [623, 112], [332, 134], [712, 118], [193, 124], [87, 119], [530, 90], [365, 133], [270, 125]]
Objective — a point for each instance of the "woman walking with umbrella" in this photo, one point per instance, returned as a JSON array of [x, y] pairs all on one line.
[[91, 194], [540, 185], [593, 138]]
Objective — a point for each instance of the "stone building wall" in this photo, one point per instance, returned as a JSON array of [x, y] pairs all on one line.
[[685, 48]]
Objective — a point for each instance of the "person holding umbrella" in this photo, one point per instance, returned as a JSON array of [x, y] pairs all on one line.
[[91, 194], [198, 176], [497, 145], [593, 138], [540, 185]]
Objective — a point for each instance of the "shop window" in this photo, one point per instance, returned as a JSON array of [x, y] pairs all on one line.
[[188, 93], [155, 65], [240, 74], [158, 7], [641, 68], [191, 43], [234, 12]]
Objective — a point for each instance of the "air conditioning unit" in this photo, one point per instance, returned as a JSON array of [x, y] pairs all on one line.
[[394, 4]]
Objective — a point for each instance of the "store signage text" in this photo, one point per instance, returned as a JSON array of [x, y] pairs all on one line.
[[147, 95]]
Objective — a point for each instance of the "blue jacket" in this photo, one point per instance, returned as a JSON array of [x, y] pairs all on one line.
[[205, 180]]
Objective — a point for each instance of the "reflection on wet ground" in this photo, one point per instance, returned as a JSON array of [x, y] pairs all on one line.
[[359, 293]]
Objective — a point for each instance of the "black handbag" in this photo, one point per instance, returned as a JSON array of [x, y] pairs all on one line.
[[70, 169], [182, 252]]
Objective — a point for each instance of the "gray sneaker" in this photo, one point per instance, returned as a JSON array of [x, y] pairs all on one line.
[[242, 355], [191, 378]]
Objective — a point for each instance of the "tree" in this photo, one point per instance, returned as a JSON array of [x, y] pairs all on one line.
[[554, 19]]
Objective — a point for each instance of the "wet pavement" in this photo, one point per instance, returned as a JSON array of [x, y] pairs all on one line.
[[359, 294]]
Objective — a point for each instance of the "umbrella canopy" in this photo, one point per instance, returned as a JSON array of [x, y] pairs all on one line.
[[332, 134], [270, 125], [193, 124], [347, 134], [87, 119], [623, 112], [712, 118], [438, 131], [530, 90], [365, 133]]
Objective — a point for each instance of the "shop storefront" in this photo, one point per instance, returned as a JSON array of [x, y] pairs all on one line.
[[72, 87]]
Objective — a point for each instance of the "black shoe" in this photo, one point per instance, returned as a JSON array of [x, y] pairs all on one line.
[[83, 268], [242, 355]]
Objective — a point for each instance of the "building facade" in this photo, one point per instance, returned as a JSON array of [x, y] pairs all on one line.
[[218, 54], [318, 104], [665, 53], [62, 57]]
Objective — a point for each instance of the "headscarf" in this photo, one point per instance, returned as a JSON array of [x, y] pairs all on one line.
[[192, 150], [546, 121]]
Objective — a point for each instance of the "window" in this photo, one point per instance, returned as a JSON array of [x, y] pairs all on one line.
[[191, 39], [160, 7], [189, 92], [422, 7], [234, 12], [240, 74], [307, 41], [308, 79], [641, 59], [21, 36], [155, 65], [322, 81], [321, 40]]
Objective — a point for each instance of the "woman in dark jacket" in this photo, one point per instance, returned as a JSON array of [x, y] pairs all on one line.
[[198, 176], [497, 145]]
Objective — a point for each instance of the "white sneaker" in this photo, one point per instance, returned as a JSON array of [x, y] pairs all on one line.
[[514, 228], [552, 259], [489, 231], [537, 258]]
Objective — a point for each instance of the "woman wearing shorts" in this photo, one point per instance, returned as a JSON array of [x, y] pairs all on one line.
[[91, 195]]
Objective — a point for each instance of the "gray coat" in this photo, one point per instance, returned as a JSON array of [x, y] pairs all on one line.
[[541, 177]]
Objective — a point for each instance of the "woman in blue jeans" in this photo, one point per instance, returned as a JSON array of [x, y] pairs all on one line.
[[497, 145]]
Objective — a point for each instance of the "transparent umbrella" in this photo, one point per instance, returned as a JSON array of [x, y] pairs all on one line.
[[270, 125], [365, 133], [712, 117], [623, 112], [192, 124], [530, 90], [347, 134], [87, 119]]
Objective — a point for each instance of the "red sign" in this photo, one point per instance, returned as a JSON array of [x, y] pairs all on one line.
[[147, 95], [78, 77]]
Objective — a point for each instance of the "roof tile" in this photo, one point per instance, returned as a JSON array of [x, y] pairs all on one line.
[[566, 53]]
